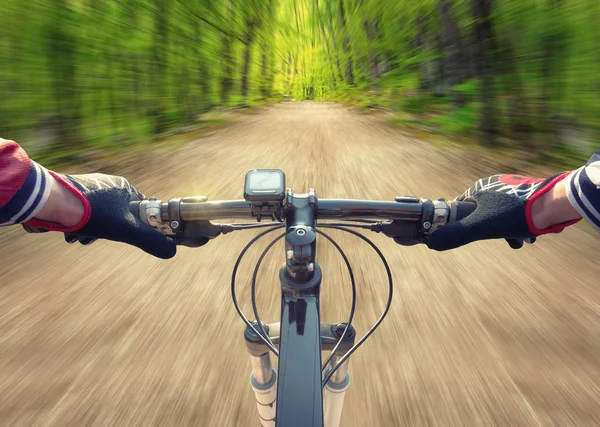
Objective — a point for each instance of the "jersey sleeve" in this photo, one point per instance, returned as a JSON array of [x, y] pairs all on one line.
[[583, 190], [24, 184]]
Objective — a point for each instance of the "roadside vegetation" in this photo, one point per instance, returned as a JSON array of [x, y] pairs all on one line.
[[506, 74]]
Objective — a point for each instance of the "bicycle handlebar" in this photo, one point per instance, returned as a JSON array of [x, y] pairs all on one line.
[[192, 210], [406, 219]]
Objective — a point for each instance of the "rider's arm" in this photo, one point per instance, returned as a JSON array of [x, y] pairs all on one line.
[[62, 207], [517, 207], [25, 186], [553, 208], [29, 190], [84, 207], [582, 188]]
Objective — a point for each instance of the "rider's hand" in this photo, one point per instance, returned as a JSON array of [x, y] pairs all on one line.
[[105, 200], [507, 206]]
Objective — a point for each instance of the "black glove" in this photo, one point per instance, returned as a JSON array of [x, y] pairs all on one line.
[[503, 211], [106, 201]]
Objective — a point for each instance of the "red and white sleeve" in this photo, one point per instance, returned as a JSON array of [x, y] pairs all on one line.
[[24, 184]]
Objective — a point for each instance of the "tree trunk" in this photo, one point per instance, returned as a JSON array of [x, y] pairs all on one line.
[[227, 77], [264, 70], [160, 63], [61, 53], [267, 59], [185, 89], [112, 78], [470, 49], [421, 42], [288, 80], [246, 63], [201, 69], [452, 48], [346, 46], [294, 73], [333, 42], [372, 31], [136, 75], [485, 67], [552, 51], [440, 78], [513, 85], [326, 41]]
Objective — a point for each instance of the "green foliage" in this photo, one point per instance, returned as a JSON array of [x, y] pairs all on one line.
[[534, 72], [460, 121], [84, 72], [469, 90], [423, 104], [101, 72]]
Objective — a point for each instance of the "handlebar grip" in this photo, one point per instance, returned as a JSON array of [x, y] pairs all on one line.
[[460, 210]]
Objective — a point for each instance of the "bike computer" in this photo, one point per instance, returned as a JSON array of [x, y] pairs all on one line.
[[264, 185]]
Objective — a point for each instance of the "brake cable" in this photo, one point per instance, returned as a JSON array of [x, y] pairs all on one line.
[[253, 291], [233, 295], [262, 334], [352, 280], [353, 305], [345, 224], [385, 311]]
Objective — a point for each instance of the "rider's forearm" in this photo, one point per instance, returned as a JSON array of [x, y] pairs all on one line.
[[24, 184], [62, 207], [28, 191], [553, 208], [576, 196], [583, 190]]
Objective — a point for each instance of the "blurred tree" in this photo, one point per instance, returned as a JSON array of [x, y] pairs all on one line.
[[454, 60], [227, 55], [482, 11], [160, 54], [346, 44], [251, 11], [83, 72], [62, 64]]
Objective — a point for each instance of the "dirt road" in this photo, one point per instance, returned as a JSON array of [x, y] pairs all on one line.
[[483, 336]]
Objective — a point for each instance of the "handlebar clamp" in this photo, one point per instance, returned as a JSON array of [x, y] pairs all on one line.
[[441, 213], [150, 212], [434, 214], [174, 218]]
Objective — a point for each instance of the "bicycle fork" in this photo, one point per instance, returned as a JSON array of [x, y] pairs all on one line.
[[263, 378]]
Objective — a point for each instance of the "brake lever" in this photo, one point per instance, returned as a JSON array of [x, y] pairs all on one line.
[[194, 234], [403, 232]]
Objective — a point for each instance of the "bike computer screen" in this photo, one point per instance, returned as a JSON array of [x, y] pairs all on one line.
[[264, 185]]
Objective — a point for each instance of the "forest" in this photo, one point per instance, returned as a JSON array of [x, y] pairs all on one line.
[[78, 73]]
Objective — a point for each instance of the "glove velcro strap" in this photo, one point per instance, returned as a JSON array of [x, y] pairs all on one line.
[[51, 226], [544, 188]]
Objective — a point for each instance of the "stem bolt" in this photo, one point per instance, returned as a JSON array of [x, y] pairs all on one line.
[[290, 254], [174, 224], [426, 225]]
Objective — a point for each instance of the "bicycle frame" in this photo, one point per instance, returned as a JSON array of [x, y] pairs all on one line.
[[300, 402]]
